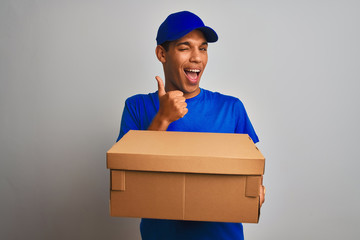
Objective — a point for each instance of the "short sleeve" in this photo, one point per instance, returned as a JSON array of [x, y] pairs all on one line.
[[243, 122], [128, 119]]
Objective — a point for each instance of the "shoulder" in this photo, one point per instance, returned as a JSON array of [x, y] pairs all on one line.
[[223, 98], [141, 98]]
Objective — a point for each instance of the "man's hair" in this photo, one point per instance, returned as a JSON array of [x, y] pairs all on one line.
[[166, 45]]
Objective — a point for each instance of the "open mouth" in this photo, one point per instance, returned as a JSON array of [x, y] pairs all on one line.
[[192, 74]]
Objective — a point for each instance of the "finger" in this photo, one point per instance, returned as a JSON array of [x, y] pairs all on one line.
[[161, 87], [180, 99], [262, 195], [185, 111], [182, 105], [176, 93]]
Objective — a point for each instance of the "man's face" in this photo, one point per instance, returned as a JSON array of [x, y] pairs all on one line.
[[185, 62]]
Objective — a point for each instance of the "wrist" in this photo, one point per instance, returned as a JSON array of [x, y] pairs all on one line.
[[159, 123]]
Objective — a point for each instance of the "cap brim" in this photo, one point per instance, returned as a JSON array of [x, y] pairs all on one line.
[[209, 34]]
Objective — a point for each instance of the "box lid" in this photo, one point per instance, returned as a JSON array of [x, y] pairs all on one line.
[[190, 152]]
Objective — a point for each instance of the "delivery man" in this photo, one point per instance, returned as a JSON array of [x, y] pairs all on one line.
[[181, 105]]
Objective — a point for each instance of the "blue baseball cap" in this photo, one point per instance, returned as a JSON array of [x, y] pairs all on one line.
[[179, 24]]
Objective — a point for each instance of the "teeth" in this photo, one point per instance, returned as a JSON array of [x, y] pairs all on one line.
[[193, 70]]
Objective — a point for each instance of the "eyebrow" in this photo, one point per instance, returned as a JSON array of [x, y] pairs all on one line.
[[188, 44]]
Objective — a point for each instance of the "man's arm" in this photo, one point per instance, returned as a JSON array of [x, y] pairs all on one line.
[[172, 107]]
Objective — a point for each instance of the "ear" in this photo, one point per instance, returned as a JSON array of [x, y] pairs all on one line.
[[160, 53]]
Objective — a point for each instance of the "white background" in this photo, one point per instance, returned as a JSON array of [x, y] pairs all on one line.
[[66, 68]]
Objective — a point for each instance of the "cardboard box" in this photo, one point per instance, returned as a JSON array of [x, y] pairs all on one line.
[[185, 176]]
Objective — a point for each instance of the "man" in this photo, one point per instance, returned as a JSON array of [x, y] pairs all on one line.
[[181, 105]]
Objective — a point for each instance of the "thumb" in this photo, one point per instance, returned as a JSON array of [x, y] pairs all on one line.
[[161, 87]]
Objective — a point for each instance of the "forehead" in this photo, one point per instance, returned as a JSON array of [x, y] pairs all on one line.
[[195, 37]]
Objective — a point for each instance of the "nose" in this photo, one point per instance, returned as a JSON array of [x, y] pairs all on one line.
[[195, 56]]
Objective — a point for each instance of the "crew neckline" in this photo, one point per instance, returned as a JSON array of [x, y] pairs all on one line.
[[197, 97]]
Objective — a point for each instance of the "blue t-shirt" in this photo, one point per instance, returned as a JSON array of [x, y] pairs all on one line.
[[208, 112]]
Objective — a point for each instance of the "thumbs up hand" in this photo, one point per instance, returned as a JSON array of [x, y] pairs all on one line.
[[172, 107], [172, 103]]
